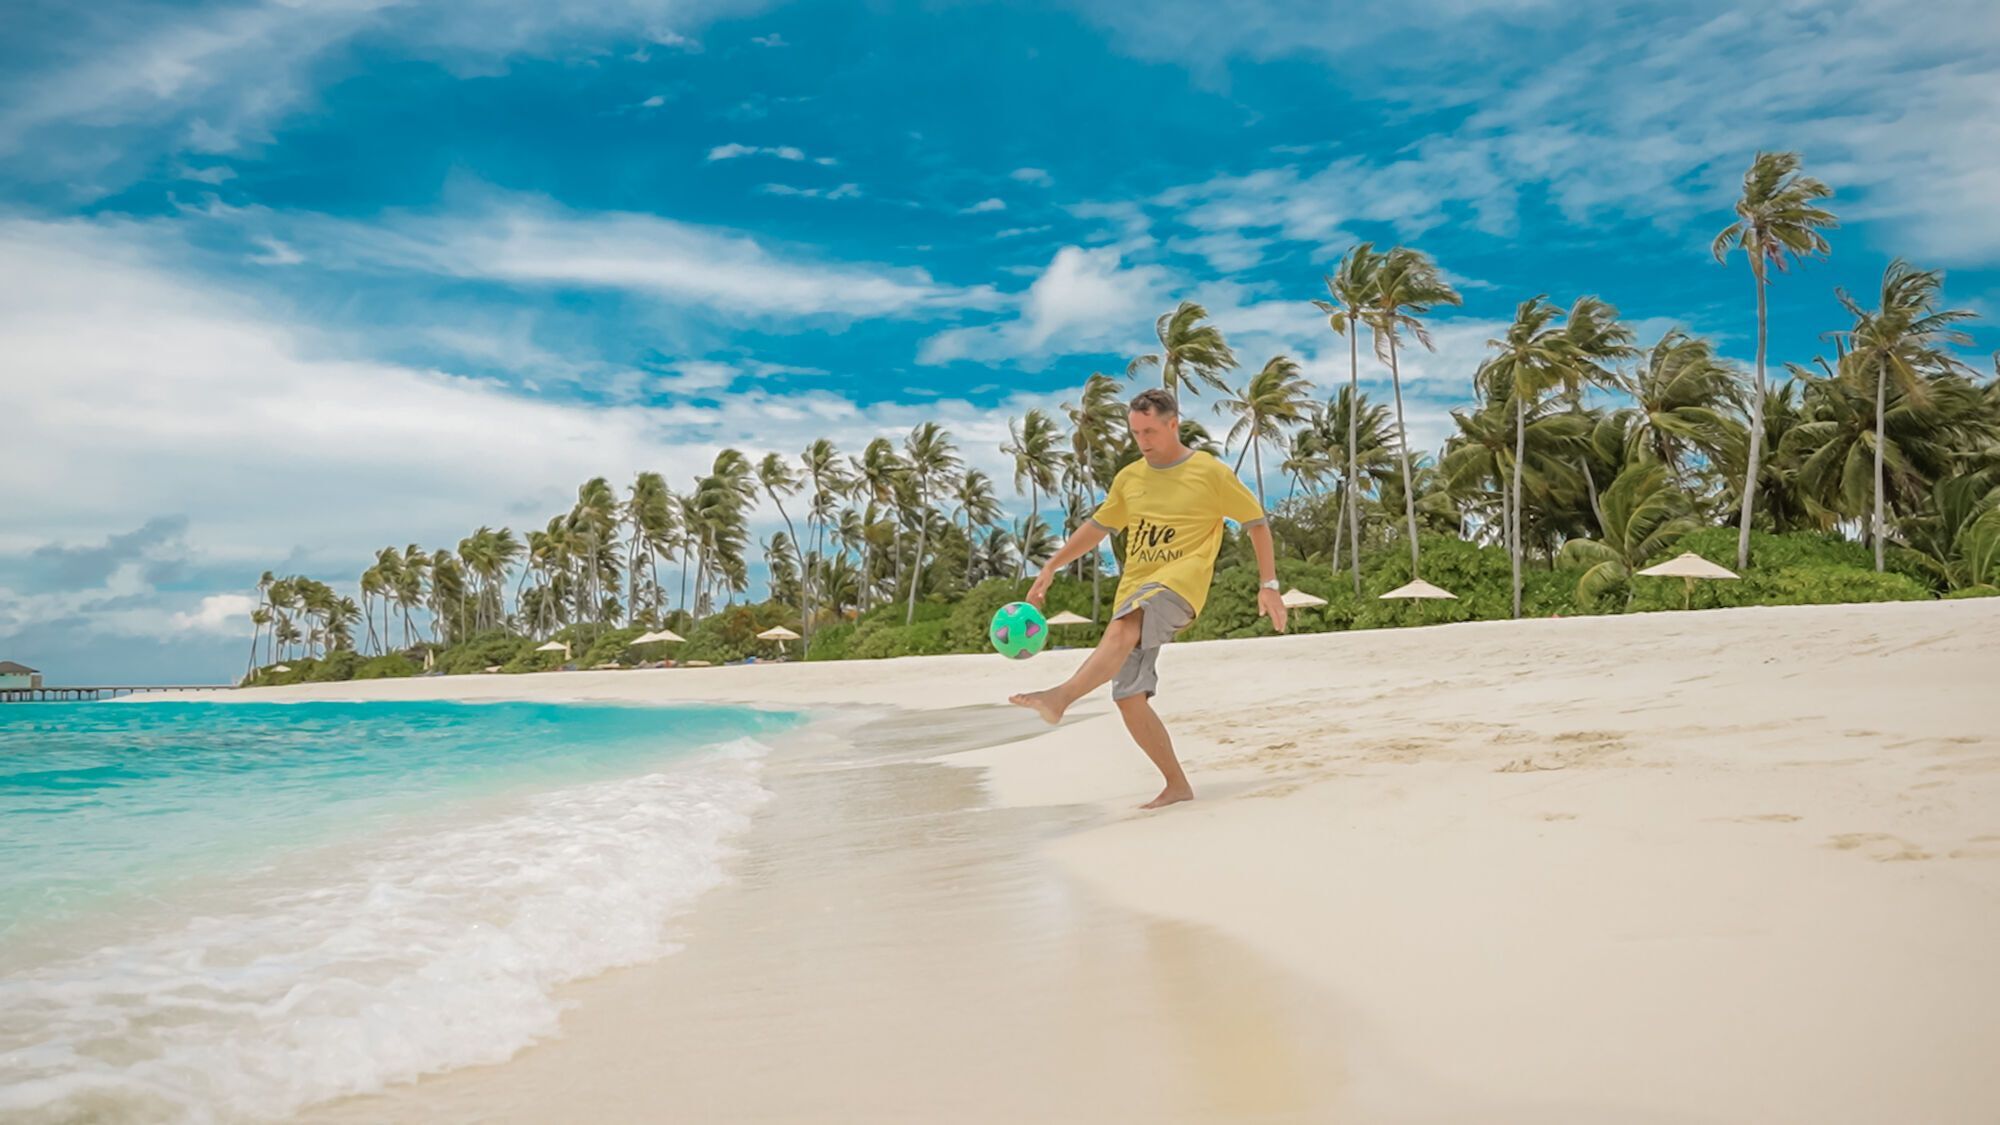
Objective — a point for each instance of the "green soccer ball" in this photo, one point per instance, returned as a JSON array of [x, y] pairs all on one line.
[[1018, 631]]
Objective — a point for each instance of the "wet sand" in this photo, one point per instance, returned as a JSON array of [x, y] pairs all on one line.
[[895, 949]]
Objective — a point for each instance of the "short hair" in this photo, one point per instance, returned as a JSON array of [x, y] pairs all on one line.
[[1155, 400]]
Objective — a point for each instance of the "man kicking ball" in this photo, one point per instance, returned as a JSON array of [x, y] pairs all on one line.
[[1171, 504]]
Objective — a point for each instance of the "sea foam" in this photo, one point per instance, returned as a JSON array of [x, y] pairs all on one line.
[[342, 971]]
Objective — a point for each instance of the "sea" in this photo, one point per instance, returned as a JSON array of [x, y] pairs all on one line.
[[218, 912]]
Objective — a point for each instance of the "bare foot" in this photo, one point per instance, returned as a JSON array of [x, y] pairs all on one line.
[[1171, 795], [1043, 703]]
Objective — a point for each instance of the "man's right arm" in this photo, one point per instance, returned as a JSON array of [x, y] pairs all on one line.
[[1081, 542]]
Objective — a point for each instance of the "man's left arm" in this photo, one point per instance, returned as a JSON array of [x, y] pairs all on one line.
[[1240, 504], [1270, 603]]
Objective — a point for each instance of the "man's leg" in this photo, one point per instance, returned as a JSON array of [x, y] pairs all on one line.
[[1119, 639], [1151, 734]]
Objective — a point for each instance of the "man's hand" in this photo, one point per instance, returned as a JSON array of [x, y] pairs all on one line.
[[1271, 604], [1040, 590]]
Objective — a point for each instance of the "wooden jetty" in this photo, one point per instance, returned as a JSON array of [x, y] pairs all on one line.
[[97, 691]]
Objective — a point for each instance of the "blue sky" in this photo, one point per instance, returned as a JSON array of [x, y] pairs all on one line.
[[291, 281]]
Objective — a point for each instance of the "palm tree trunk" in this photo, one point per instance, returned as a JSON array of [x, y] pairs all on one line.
[[1520, 452], [1339, 517], [632, 579], [1403, 447], [1027, 528], [917, 567], [1353, 502], [1257, 457], [805, 578], [1590, 485], [1756, 430], [1881, 433]]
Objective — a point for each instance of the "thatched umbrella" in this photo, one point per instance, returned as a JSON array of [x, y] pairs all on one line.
[[778, 633], [1688, 567]]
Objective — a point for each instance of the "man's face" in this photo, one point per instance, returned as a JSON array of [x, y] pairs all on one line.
[[1156, 435]]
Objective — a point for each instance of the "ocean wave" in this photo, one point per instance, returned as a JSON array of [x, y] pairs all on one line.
[[390, 959]]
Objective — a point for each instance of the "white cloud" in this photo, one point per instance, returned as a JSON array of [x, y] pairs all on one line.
[[1086, 299], [524, 241], [228, 614], [1015, 232], [985, 205], [138, 390], [1227, 251], [841, 191], [276, 253], [214, 174], [1036, 176], [139, 79], [772, 40], [734, 151], [654, 102], [1619, 113]]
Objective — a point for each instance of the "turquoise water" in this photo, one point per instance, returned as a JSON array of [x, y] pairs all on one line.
[[225, 911], [98, 800]]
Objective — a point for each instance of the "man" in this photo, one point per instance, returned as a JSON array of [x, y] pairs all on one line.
[[1171, 504]]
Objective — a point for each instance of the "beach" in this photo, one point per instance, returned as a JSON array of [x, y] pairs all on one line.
[[1737, 865]]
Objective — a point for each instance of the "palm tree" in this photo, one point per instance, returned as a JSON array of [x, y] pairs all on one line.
[[1540, 353], [1526, 365], [340, 623], [929, 459], [594, 522], [1097, 433], [1191, 353], [1905, 336], [1957, 538], [1352, 288], [1643, 516], [1037, 462], [774, 473], [997, 555], [1407, 285], [1924, 438], [1275, 397], [827, 483], [648, 515], [1681, 396], [1777, 218], [721, 500], [875, 473], [973, 493], [413, 579], [1481, 459], [259, 617]]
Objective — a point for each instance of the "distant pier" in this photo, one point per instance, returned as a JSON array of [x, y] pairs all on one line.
[[99, 691]]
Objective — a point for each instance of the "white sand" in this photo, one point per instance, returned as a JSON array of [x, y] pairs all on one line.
[[1729, 866]]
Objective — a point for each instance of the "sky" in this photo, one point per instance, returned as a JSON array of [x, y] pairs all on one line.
[[284, 282]]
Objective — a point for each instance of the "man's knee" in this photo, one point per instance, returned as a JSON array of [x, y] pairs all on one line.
[[1124, 632]]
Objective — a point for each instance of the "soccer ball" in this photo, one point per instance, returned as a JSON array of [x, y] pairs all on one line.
[[1018, 631]]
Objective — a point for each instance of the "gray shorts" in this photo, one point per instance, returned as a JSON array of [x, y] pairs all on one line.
[[1165, 613]]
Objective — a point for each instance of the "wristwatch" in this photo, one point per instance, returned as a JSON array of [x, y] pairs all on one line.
[[1271, 585]]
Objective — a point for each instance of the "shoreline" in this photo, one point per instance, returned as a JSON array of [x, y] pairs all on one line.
[[1724, 865], [892, 946]]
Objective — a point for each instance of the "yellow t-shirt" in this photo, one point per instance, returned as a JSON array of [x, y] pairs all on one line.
[[1172, 518]]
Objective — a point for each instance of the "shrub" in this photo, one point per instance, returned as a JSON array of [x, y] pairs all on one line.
[[393, 666]]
